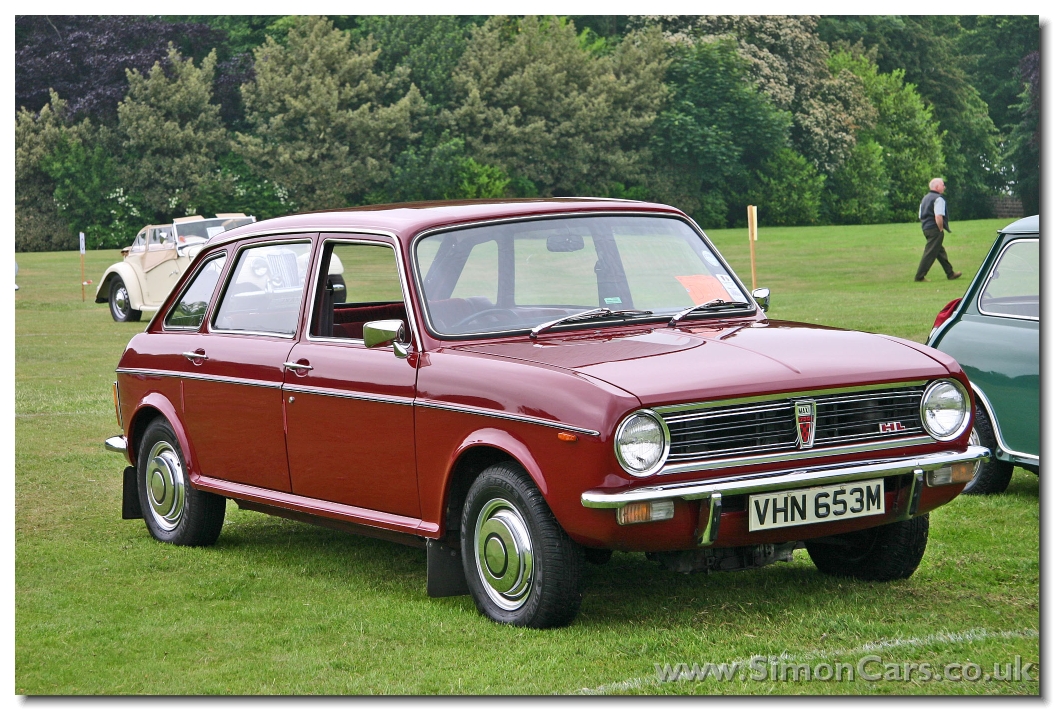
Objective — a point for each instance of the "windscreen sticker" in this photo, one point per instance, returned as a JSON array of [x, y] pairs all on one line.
[[730, 286], [711, 259], [612, 300], [703, 287]]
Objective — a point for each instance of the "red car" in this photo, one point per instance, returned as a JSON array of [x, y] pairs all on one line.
[[524, 386]]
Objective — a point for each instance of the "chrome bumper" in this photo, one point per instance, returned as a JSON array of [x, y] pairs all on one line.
[[117, 444], [776, 480]]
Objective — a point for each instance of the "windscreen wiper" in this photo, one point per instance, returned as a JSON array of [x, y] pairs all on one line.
[[717, 304], [587, 315]]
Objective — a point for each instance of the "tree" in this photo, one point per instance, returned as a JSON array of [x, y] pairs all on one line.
[[905, 130], [556, 118], [38, 224], [84, 57], [171, 135], [716, 131], [993, 46], [1023, 156], [321, 129]]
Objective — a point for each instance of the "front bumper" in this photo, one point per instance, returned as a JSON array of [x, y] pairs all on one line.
[[713, 489]]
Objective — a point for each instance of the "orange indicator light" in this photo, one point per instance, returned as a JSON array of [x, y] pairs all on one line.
[[564, 436]]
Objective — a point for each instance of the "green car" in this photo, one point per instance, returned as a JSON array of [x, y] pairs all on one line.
[[993, 331]]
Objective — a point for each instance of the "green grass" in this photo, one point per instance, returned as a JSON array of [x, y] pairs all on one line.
[[283, 607]]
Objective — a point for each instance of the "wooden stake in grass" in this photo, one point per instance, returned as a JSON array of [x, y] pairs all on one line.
[[83, 282], [752, 236]]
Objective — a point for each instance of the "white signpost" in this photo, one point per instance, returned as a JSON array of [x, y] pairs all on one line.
[[83, 282]]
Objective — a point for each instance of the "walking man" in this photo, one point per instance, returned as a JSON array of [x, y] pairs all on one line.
[[933, 213]]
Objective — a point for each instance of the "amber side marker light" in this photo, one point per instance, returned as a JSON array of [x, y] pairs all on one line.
[[947, 475], [564, 436], [644, 512]]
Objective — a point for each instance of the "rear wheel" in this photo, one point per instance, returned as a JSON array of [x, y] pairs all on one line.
[[174, 512], [994, 475], [121, 304], [521, 567], [879, 554]]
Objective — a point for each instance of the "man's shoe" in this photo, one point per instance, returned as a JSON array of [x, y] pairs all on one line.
[[917, 279], [955, 275]]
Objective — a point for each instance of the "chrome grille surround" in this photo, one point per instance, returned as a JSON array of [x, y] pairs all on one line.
[[760, 429]]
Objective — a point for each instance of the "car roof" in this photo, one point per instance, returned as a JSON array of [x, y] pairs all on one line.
[[409, 218], [1025, 225]]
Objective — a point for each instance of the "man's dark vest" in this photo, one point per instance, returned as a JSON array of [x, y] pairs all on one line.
[[929, 221]]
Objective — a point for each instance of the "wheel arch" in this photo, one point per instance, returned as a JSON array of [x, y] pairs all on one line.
[[151, 407], [482, 448], [131, 283]]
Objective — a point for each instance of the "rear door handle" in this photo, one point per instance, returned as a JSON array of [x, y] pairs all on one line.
[[200, 355], [296, 366]]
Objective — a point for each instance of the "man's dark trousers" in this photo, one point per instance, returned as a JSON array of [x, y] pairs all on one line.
[[934, 251]]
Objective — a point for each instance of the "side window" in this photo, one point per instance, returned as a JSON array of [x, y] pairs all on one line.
[[361, 284], [189, 311], [154, 240], [140, 241], [1013, 287], [265, 290]]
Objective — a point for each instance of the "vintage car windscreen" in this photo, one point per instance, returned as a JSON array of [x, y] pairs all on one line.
[[265, 289], [515, 276], [206, 228], [1013, 288]]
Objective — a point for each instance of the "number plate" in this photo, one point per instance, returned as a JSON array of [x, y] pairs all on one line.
[[824, 504]]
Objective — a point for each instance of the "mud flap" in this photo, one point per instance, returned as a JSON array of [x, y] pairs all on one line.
[[130, 508], [446, 576]]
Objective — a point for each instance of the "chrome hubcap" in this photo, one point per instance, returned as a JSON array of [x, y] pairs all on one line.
[[504, 554], [165, 488], [975, 440], [120, 300]]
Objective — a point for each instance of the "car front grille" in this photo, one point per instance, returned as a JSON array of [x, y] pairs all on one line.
[[770, 427]]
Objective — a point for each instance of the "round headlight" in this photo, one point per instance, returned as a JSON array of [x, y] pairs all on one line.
[[642, 443], [945, 409]]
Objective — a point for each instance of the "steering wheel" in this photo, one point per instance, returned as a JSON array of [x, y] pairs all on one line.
[[491, 313]]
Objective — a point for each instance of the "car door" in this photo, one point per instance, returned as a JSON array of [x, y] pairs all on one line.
[[349, 413], [232, 392], [159, 264]]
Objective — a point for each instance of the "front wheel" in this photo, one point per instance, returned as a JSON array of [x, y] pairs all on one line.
[[521, 567], [992, 476], [878, 554], [173, 511], [121, 304]]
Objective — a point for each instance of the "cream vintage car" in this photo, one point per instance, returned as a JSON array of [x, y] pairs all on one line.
[[155, 261]]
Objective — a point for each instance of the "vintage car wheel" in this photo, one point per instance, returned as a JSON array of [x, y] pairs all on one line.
[[121, 304], [878, 554], [994, 475], [521, 567], [174, 512]]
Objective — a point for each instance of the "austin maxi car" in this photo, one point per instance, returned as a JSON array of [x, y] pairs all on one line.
[[154, 262], [993, 332], [524, 386]]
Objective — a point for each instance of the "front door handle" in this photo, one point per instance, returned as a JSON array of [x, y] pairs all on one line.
[[197, 355], [297, 366]]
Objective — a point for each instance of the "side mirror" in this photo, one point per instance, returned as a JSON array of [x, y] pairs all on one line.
[[380, 333], [762, 296]]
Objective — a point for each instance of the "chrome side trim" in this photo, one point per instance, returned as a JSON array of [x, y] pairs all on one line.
[[784, 395], [329, 392], [116, 444], [784, 479], [194, 376], [796, 455], [1000, 442], [467, 409]]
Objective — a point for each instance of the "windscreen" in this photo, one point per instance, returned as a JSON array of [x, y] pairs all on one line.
[[210, 227], [509, 277]]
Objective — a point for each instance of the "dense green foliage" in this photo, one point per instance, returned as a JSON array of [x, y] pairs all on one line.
[[839, 120]]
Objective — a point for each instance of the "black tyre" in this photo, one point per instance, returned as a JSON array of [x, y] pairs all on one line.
[[521, 567], [880, 554], [992, 476], [120, 303], [174, 512]]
